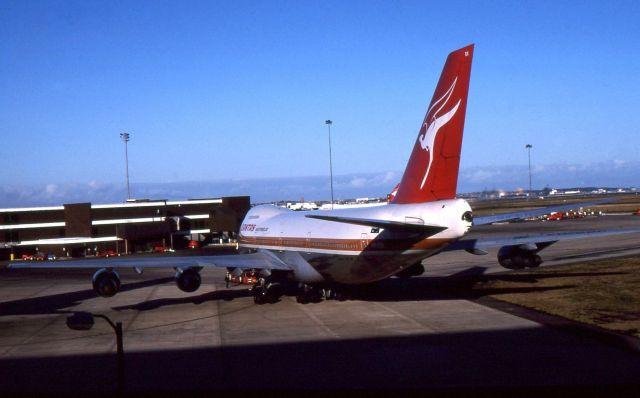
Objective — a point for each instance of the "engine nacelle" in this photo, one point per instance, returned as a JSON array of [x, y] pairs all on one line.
[[188, 280], [106, 282], [516, 257]]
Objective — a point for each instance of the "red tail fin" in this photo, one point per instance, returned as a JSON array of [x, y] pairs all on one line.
[[432, 171]]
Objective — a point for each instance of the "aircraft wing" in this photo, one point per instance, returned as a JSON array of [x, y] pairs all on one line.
[[387, 224], [260, 260], [535, 213], [532, 242]]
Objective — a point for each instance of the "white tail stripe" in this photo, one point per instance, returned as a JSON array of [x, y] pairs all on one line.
[[447, 94]]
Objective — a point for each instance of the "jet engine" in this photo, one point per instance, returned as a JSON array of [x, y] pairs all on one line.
[[519, 257], [188, 280], [106, 282]]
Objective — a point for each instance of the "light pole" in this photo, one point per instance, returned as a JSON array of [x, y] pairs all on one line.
[[125, 138], [84, 321], [529, 146], [329, 123]]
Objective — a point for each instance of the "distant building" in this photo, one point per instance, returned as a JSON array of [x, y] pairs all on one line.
[[82, 229]]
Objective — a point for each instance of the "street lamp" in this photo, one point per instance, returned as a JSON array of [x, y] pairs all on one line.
[[84, 321], [529, 146], [329, 123], [125, 138]]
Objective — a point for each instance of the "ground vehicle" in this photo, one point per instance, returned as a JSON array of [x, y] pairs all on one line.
[[106, 253], [193, 244], [557, 216], [51, 257], [247, 277]]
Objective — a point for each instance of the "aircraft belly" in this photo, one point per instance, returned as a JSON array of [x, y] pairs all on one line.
[[362, 268]]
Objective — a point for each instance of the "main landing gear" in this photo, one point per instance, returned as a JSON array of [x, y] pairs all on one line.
[[309, 294], [266, 291], [269, 291], [315, 294], [268, 287], [265, 287]]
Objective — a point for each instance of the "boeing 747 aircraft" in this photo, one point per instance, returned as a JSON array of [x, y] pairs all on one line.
[[323, 250]]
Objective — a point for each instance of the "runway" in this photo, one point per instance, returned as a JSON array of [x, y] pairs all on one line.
[[415, 334]]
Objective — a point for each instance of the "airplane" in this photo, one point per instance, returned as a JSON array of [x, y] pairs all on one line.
[[321, 251]]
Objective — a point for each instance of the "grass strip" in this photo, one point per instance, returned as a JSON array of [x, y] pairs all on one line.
[[605, 293]]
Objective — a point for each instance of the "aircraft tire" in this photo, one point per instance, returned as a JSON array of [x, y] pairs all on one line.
[[536, 261], [259, 298], [340, 296], [260, 294], [329, 294]]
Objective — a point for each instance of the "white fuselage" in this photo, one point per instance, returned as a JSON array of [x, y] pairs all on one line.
[[330, 251]]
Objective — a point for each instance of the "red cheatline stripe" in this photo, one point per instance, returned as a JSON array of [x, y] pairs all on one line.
[[355, 245]]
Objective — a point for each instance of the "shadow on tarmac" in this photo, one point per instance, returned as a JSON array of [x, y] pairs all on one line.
[[393, 289], [523, 362], [459, 286], [197, 300], [504, 361], [54, 303]]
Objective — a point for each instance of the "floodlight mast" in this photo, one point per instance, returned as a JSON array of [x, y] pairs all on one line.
[[329, 123], [125, 138], [529, 146]]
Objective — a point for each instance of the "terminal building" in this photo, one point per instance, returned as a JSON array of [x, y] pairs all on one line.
[[85, 229]]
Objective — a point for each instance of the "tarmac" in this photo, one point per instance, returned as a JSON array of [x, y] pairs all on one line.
[[426, 333]]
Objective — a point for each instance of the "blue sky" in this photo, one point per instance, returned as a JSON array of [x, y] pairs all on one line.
[[236, 91]]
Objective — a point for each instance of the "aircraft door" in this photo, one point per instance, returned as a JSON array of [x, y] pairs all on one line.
[[364, 241]]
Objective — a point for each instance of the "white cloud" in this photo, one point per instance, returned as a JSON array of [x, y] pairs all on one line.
[[617, 163], [479, 175], [390, 177], [358, 182], [51, 189]]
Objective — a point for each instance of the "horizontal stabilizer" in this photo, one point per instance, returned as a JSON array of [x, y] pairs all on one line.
[[386, 224], [536, 212]]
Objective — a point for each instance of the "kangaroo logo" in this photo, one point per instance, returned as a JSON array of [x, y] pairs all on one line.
[[433, 122]]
